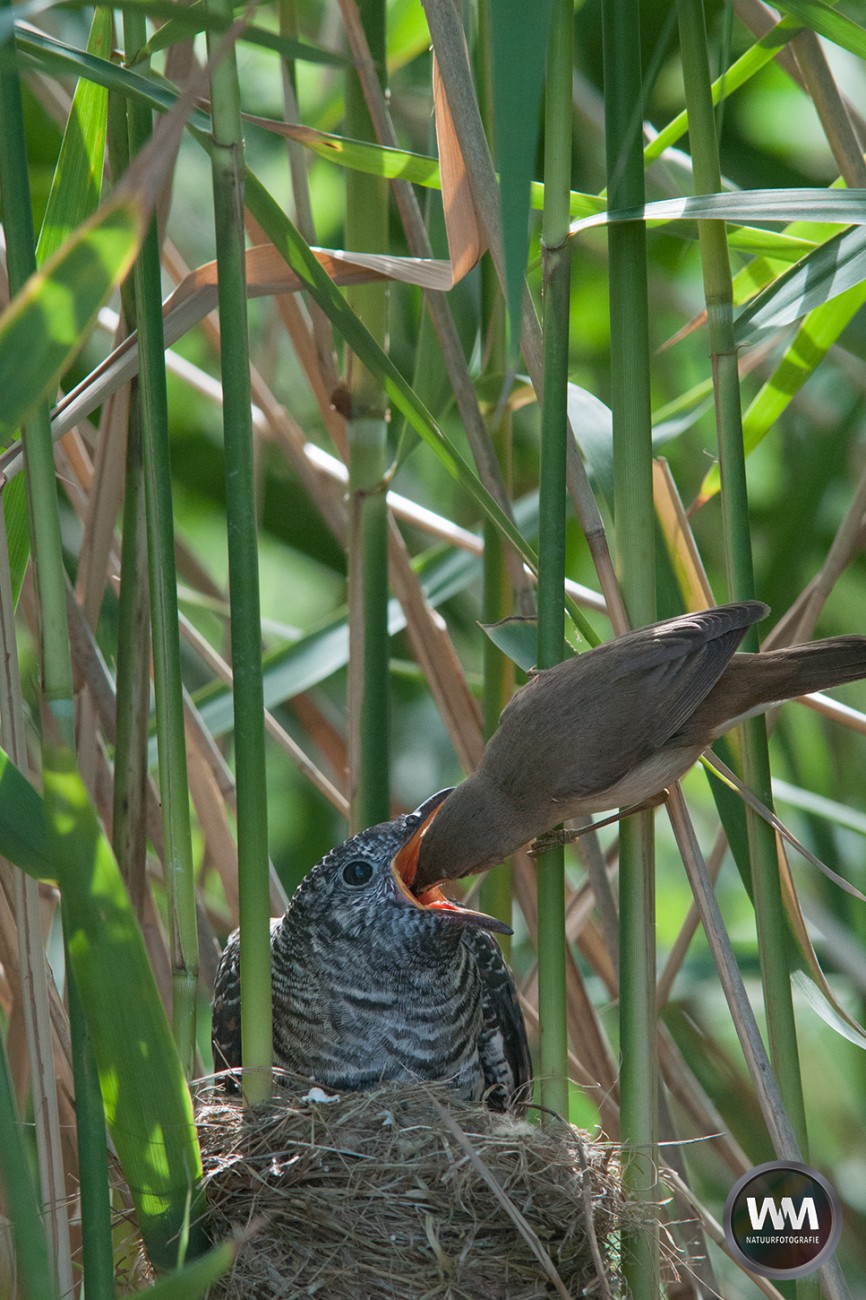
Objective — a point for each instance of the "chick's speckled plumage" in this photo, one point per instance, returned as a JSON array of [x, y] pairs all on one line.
[[370, 984]]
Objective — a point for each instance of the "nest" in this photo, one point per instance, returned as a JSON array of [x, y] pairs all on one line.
[[403, 1193]]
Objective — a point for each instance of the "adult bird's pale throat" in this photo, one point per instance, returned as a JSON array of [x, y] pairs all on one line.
[[374, 980]]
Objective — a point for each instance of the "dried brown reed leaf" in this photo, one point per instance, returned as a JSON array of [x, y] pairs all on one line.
[[466, 241], [679, 538]]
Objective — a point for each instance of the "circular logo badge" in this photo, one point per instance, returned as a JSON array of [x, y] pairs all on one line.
[[783, 1220]]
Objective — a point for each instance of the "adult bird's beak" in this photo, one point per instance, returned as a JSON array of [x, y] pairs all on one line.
[[405, 866]]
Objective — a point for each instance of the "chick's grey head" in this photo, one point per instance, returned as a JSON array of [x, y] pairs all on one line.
[[366, 883]]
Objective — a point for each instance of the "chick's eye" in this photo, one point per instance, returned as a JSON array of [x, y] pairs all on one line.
[[358, 872]]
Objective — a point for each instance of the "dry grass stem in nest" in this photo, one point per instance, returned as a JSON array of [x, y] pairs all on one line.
[[403, 1193]]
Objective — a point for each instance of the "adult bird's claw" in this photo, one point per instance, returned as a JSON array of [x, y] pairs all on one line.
[[560, 836]]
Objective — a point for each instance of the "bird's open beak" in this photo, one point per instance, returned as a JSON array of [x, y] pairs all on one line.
[[405, 867]]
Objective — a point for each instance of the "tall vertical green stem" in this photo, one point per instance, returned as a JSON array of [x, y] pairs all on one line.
[[635, 526], [146, 298], [498, 682], [551, 539], [369, 704], [46, 542], [498, 588], [367, 230], [252, 812], [773, 936], [132, 710], [56, 664], [128, 823]]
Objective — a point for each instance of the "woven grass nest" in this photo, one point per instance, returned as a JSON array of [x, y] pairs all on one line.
[[402, 1193]]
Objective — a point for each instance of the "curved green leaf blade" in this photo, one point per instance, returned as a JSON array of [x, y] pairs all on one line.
[[77, 182], [401, 164], [769, 243], [50, 55], [183, 23], [816, 335], [193, 1280], [519, 37], [592, 423], [24, 837], [358, 155], [845, 207], [824, 1007], [517, 637], [822, 275], [828, 22], [75, 192], [45, 325], [147, 1103]]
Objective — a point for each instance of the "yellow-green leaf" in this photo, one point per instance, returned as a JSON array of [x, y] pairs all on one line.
[[816, 335], [147, 1103], [77, 182], [48, 321], [193, 1280], [519, 39]]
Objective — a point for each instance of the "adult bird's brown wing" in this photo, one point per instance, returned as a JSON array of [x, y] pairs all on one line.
[[503, 1048], [613, 706]]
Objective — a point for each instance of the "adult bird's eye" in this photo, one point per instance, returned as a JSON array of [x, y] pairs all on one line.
[[358, 872]]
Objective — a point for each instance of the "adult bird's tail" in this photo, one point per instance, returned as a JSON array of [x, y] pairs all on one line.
[[751, 683]]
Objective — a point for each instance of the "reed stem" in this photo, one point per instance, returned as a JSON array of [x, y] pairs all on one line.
[[496, 887], [556, 272], [145, 301], [773, 934], [55, 660], [369, 671], [635, 539], [227, 166]]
